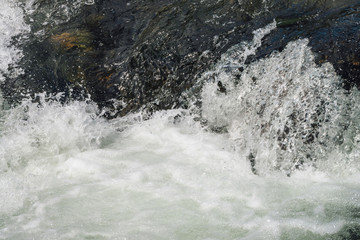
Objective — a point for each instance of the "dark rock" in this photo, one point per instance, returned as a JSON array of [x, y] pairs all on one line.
[[334, 35], [348, 232], [147, 53], [221, 87]]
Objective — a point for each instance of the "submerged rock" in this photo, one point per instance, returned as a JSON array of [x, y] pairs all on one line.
[[147, 53]]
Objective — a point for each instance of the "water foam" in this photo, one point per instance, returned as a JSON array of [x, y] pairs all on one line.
[[72, 174], [12, 24], [285, 112]]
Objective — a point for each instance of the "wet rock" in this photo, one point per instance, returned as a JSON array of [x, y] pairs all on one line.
[[348, 232], [147, 53], [66, 41], [334, 35], [221, 87]]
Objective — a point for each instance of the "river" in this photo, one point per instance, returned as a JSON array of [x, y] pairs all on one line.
[[221, 169]]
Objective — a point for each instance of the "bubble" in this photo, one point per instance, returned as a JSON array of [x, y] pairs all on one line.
[[89, 2]]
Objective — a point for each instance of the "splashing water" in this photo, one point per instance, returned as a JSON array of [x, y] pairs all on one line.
[[68, 173], [284, 111], [12, 24]]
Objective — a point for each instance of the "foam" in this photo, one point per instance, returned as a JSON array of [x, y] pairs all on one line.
[[13, 24]]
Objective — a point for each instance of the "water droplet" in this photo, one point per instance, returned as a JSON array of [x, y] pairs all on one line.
[[89, 2]]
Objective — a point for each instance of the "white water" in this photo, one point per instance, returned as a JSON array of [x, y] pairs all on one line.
[[66, 173], [284, 109], [11, 24]]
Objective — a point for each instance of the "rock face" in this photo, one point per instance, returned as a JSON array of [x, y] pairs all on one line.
[[147, 53]]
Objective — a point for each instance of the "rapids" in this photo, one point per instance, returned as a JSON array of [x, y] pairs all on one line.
[[267, 150]]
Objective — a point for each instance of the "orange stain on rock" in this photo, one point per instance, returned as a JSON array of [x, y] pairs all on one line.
[[77, 39]]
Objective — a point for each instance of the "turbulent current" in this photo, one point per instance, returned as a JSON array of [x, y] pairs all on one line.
[[268, 150]]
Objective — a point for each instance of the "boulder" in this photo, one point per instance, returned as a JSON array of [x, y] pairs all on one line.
[[133, 54]]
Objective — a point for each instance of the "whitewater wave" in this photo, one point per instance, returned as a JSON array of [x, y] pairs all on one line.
[[69, 173]]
